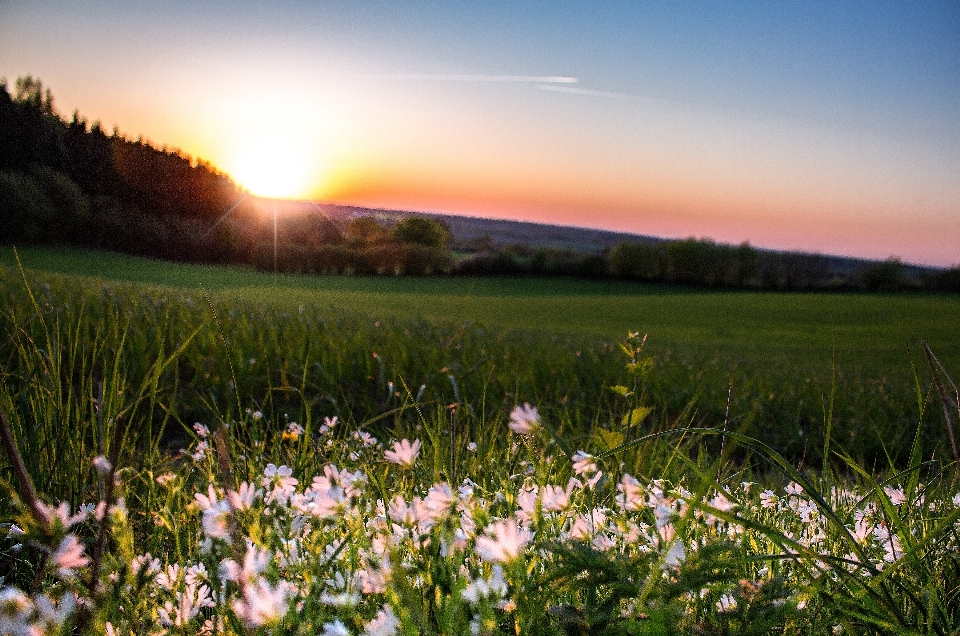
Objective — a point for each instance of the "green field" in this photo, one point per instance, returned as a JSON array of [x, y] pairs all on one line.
[[765, 463], [784, 354]]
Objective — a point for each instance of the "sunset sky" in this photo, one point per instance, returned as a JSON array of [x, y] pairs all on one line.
[[827, 127]]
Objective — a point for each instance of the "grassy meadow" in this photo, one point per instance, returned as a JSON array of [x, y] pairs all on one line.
[[761, 463], [789, 357]]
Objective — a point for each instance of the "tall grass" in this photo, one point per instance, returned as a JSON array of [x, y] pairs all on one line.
[[665, 530], [784, 355]]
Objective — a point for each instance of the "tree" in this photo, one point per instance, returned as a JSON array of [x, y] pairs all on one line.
[[364, 231], [418, 230], [886, 276]]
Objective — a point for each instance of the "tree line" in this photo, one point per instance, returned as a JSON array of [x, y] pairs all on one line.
[[70, 182]]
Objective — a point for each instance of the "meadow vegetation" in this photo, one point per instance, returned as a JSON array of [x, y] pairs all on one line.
[[396, 456]]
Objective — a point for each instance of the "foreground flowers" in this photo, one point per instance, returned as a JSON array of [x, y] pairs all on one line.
[[349, 550]]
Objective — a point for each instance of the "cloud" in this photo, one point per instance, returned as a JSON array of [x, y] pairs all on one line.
[[545, 80]]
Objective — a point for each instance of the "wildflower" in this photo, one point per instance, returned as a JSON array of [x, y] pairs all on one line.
[[675, 555], [893, 550], [583, 463], [896, 495], [584, 526], [793, 488], [262, 603], [189, 603], [216, 514], [145, 565], [768, 499], [385, 623], [293, 432], [257, 415], [69, 556], [404, 453], [168, 578], [102, 465], [555, 498], [62, 514], [630, 495], [195, 574], [525, 419], [202, 431], [281, 481], [364, 437], [336, 628], [480, 588], [165, 479], [504, 542], [200, 450], [15, 610], [726, 603], [472, 447], [439, 500], [244, 497], [328, 425]]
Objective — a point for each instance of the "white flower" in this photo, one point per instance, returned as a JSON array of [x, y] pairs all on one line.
[[216, 520], [145, 564], [504, 542], [583, 463], [293, 432], [195, 574], [262, 603], [384, 624], [69, 556], [676, 554], [726, 603], [280, 481], [336, 628], [481, 588], [404, 453], [768, 499], [793, 488], [555, 498], [62, 514], [15, 612], [631, 495], [525, 419], [188, 605], [896, 495], [102, 465], [243, 498], [200, 450]]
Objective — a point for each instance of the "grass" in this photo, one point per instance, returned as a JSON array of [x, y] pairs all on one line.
[[830, 506], [789, 357]]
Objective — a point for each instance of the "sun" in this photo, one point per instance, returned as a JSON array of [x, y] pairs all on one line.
[[276, 167]]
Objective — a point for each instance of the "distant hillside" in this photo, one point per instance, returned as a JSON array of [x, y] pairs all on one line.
[[470, 232]]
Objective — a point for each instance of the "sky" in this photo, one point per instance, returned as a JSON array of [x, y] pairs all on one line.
[[830, 127]]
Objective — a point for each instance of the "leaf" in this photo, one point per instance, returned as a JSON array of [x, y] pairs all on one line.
[[608, 439], [637, 415], [640, 367]]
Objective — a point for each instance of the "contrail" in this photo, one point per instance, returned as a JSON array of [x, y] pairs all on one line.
[[595, 93]]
